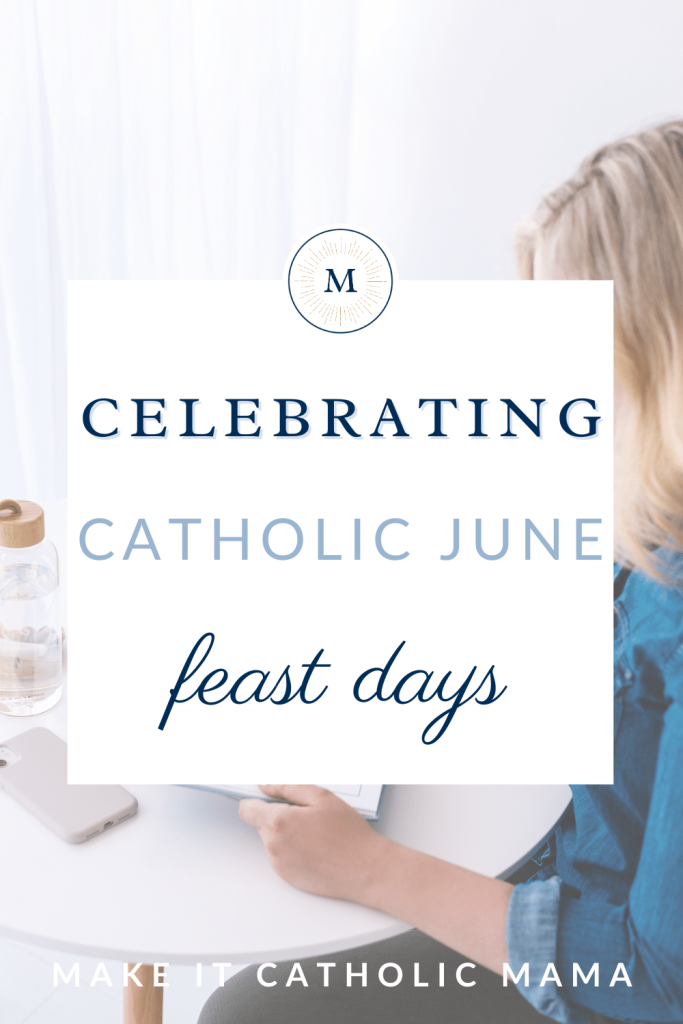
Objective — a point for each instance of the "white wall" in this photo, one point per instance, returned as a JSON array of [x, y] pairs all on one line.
[[203, 138]]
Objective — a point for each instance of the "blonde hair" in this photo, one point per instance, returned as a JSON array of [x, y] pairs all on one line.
[[620, 218]]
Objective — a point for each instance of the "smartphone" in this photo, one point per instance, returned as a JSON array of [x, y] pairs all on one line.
[[33, 771]]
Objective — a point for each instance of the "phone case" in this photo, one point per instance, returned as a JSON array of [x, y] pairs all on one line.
[[35, 775]]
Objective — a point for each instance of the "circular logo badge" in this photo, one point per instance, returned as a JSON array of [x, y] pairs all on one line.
[[340, 280]]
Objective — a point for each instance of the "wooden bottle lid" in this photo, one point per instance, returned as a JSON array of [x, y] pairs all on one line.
[[22, 524]]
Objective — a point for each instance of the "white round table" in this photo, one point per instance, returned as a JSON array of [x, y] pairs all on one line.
[[186, 881]]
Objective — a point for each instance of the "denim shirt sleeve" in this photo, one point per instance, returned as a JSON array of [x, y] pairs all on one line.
[[531, 934], [645, 934], [550, 922]]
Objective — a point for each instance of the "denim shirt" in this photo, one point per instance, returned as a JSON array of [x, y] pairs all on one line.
[[615, 892]]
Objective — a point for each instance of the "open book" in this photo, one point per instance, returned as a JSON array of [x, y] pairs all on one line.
[[365, 799]]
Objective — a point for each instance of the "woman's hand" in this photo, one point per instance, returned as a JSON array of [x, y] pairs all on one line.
[[322, 845], [317, 842]]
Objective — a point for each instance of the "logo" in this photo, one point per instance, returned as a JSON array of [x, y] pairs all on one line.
[[340, 280]]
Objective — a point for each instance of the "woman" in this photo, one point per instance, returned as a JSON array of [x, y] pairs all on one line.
[[610, 888]]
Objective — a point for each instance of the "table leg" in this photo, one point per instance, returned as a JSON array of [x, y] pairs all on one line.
[[143, 1005]]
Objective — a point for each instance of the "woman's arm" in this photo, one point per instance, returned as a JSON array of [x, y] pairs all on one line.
[[323, 846]]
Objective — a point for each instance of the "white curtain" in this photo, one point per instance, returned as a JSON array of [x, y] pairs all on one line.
[[204, 138]]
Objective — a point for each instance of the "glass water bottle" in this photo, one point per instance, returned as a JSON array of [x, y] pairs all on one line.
[[30, 623]]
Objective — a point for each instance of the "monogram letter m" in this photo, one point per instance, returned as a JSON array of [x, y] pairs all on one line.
[[331, 276]]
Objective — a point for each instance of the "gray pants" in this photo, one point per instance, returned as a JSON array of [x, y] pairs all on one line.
[[244, 1001]]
